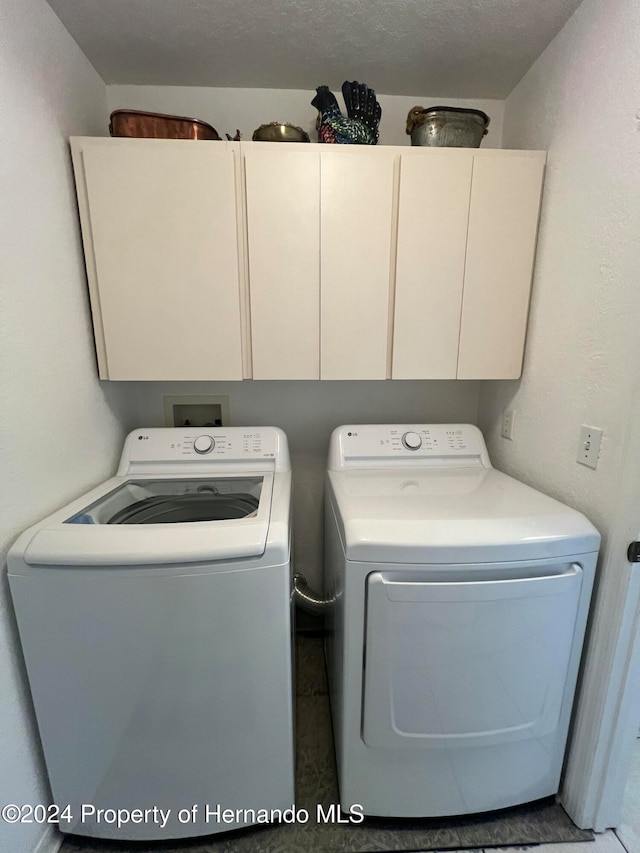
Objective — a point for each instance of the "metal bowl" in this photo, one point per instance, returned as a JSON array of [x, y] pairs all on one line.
[[280, 131], [444, 127]]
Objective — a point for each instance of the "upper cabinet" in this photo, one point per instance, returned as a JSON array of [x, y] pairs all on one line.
[[319, 245], [433, 214], [467, 224], [501, 240], [357, 236], [283, 249], [213, 260], [160, 233]]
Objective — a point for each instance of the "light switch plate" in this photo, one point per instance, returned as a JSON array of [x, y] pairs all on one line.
[[589, 446]]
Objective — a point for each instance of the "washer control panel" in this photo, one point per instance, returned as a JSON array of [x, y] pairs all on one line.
[[380, 445], [262, 447]]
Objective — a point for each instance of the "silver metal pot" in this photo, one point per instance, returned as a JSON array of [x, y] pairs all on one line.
[[447, 127]]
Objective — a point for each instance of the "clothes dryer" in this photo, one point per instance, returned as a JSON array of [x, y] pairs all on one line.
[[460, 598], [155, 618]]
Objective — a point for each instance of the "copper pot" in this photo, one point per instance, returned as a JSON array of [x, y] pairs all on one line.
[[159, 126]]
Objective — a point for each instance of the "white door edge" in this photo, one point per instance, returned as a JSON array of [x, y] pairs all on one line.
[[607, 717]]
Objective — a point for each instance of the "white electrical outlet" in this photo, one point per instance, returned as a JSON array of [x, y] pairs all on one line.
[[589, 446], [508, 417]]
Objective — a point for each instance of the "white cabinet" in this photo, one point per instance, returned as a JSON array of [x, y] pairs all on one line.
[[368, 263], [357, 235], [503, 224], [159, 225], [283, 247], [319, 243], [215, 260], [432, 234], [467, 223]]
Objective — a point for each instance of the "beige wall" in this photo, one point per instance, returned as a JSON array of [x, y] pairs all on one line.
[[580, 101], [60, 429]]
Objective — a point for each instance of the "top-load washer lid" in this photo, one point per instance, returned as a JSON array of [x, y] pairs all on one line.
[[133, 521], [174, 501], [441, 502], [180, 496]]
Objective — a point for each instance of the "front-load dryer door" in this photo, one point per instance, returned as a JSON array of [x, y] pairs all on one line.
[[470, 663]]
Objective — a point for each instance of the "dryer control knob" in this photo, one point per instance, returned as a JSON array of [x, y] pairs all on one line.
[[412, 441], [204, 444]]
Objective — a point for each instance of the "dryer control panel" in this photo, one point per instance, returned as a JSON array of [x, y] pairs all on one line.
[[388, 445]]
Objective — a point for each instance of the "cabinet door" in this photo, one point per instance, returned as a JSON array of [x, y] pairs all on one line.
[[160, 231], [432, 231], [503, 223], [283, 239], [356, 237]]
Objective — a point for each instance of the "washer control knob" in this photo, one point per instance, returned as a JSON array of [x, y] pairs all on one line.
[[204, 444], [412, 441]]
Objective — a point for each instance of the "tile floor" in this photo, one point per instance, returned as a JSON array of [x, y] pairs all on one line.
[[625, 839]]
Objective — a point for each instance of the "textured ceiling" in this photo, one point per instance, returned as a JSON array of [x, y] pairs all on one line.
[[453, 48]]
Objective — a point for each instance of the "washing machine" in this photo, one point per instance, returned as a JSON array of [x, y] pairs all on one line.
[[459, 603], [155, 618]]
